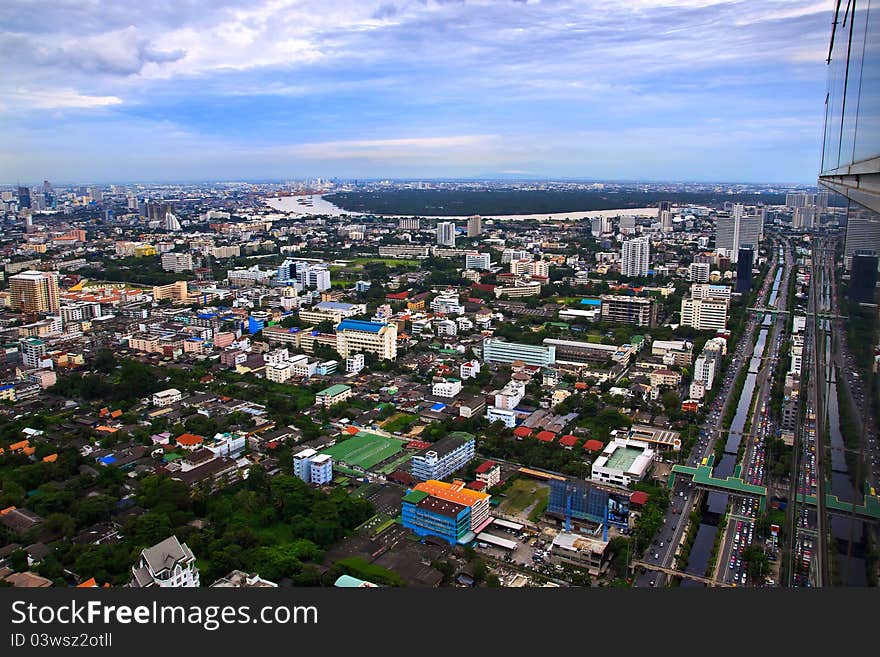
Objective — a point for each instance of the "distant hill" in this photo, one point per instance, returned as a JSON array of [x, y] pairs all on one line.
[[445, 202]]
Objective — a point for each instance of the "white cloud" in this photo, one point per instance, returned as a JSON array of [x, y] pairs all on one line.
[[46, 99]]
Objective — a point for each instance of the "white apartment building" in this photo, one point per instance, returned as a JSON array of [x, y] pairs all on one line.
[[321, 469], [704, 314], [469, 369], [446, 233], [354, 363], [357, 336], [177, 262], [709, 291], [481, 261], [698, 272], [510, 395], [446, 388], [635, 257]]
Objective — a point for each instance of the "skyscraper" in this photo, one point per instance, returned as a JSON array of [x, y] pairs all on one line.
[[863, 280], [745, 261], [170, 222], [862, 232], [34, 291], [446, 233], [635, 257], [737, 229], [851, 146], [24, 197], [474, 226], [666, 221]]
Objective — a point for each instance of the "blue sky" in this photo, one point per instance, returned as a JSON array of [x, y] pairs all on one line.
[[98, 90]]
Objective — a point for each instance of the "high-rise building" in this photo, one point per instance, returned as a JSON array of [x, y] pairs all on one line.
[[663, 206], [737, 229], [706, 314], [33, 352], [496, 350], [863, 279], [171, 222], [24, 197], [862, 232], [666, 221], [851, 147], [744, 263], [34, 291], [638, 311], [357, 336], [177, 262], [635, 257], [446, 233], [481, 261], [600, 225], [409, 223], [474, 226], [156, 210], [804, 218], [698, 272]]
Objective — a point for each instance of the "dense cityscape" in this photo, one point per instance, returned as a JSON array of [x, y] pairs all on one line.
[[272, 379], [271, 391]]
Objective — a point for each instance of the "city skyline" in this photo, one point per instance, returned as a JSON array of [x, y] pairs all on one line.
[[622, 91]]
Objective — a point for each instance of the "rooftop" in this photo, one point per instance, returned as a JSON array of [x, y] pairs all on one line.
[[622, 458], [336, 389], [360, 325]]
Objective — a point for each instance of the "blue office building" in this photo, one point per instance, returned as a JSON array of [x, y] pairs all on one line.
[[427, 515], [584, 500]]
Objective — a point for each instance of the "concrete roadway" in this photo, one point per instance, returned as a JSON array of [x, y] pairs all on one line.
[[681, 506]]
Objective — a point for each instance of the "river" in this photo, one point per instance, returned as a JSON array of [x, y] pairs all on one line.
[[319, 205]]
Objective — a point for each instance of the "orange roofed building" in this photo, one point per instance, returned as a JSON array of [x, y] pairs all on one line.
[[458, 493]]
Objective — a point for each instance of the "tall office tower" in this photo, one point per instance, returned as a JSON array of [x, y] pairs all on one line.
[[635, 257], [804, 217], [851, 149], [474, 226], [171, 222], [698, 272], [34, 291], [663, 206], [600, 226], [47, 187], [96, 194], [409, 223], [666, 221], [446, 233], [157, 210], [24, 197], [744, 262], [316, 276], [627, 225], [736, 230], [796, 200], [132, 203], [863, 280], [862, 231]]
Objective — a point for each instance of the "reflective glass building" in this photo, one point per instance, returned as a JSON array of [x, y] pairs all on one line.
[[851, 146]]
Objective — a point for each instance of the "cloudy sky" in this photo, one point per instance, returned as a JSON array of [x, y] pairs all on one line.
[[102, 90]]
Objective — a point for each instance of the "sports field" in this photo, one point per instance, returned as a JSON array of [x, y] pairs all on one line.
[[364, 450]]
